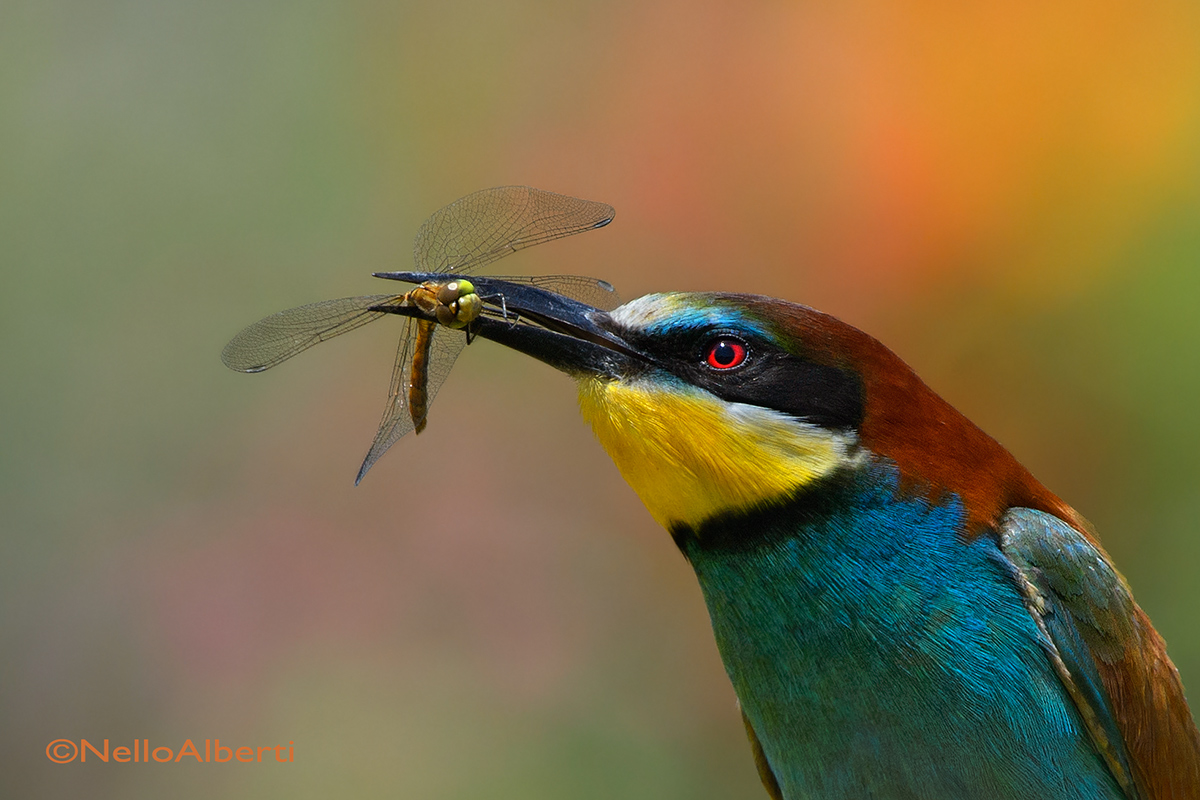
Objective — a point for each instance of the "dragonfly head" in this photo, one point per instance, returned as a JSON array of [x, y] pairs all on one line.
[[458, 304]]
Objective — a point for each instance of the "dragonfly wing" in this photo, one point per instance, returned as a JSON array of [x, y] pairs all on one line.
[[277, 338], [592, 291], [447, 345], [397, 421], [477, 229]]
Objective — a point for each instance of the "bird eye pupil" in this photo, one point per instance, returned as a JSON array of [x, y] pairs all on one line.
[[725, 354]]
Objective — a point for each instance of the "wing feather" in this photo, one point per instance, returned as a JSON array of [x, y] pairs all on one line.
[[1111, 660]]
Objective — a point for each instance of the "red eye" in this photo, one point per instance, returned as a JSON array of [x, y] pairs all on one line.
[[725, 354]]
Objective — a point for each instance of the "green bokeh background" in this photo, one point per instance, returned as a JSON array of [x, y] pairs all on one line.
[[1008, 196]]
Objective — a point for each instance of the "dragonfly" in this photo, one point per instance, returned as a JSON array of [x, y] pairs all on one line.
[[461, 239]]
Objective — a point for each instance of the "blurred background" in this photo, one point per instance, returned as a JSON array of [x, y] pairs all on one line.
[[1008, 196]]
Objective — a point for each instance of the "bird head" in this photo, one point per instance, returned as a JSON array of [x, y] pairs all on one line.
[[713, 404]]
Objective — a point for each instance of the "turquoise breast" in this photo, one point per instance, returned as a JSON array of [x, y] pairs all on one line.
[[880, 654]]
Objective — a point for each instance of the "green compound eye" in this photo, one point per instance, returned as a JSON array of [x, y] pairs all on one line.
[[454, 290], [467, 309]]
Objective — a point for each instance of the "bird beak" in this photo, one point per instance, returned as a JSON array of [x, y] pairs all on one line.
[[566, 334]]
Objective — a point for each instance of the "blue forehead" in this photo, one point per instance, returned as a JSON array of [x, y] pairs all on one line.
[[660, 314]]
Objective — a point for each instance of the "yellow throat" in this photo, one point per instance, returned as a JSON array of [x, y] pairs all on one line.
[[689, 454]]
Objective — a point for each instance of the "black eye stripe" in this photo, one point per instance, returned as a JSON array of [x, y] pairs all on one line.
[[769, 377]]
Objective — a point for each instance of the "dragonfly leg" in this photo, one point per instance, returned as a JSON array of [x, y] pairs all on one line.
[[498, 299], [503, 305]]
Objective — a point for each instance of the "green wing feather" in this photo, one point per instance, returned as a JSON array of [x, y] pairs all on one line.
[[1111, 660]]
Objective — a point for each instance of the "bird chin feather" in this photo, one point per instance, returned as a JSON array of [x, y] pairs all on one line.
[[691, 455]]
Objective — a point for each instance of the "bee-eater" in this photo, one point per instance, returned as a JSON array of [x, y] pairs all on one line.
[[903, 609]]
